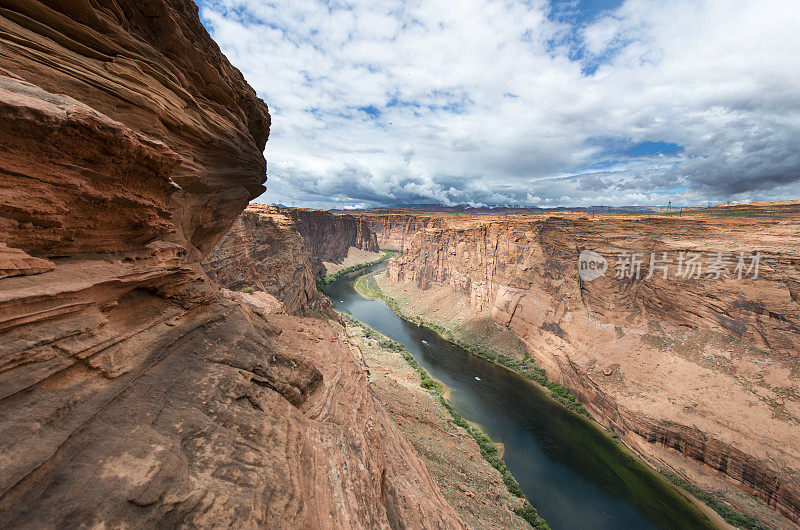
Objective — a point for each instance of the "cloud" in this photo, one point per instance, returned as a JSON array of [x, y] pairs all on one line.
[[490, 102]]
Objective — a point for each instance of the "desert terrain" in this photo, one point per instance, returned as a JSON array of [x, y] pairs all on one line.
[[698, 375], [168, 359], [135, 391]]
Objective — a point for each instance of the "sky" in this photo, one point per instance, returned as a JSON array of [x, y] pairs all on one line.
[[527, 103]]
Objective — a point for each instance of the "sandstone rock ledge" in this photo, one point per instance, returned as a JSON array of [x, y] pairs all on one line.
[[132, 393]]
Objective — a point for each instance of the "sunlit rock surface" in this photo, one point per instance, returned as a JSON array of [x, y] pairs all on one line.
[[702, 368], [132, 392], [281, 250]]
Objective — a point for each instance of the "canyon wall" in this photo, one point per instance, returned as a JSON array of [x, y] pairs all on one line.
[[154, 68], [131, 391], [699, 367], [327, 236], [395, 230], [281, 251], [265, 251]]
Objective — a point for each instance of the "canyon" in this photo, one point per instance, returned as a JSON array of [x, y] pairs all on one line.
[[697, 375], [282, 251], [469, 483], [166, 358], [133, 389]]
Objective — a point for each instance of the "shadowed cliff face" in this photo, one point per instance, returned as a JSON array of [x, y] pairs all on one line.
[[281, 251], [131, 391], [703, 367], [265, 251], [328, 236]]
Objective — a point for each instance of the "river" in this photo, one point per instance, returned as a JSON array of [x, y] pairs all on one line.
[[574, 474]]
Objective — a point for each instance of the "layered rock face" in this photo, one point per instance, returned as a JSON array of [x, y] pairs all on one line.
[[265, 250], [699, 367], [327, 236], [131, 392], [395, 230], [281, 251], [153, 67]]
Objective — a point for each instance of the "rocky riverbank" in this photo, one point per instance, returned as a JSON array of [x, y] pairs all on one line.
[[725, 353], [469, 483]]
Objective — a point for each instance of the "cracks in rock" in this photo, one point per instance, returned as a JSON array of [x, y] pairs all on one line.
[[294, 391], [157, 357], [248, 398]]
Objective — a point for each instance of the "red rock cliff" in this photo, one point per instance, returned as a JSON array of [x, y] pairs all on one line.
[[131, 392], [281, 251], [702, 368], [265, 250], [327, 236], [395, 230], [152, 66]]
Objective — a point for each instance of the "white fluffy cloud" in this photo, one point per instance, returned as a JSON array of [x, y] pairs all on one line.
[[495, 102]]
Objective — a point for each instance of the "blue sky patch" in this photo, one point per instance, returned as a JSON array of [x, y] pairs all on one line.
[[624, 100], [617, 147], [655, 148], [580, 12], [372, 110]]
